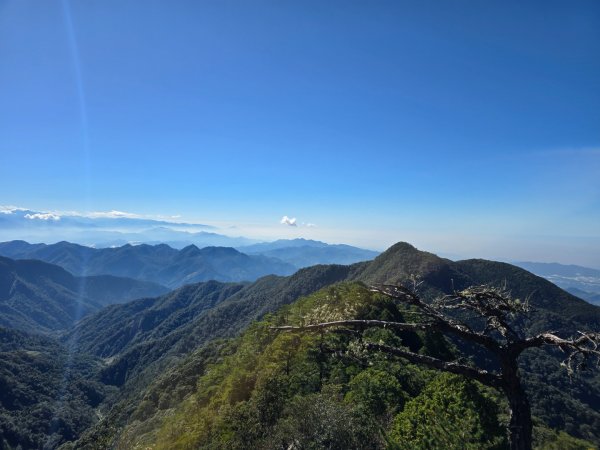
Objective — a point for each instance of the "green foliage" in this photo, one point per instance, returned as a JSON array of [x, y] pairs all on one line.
[[547, 439], [174, 356], [40, 297], [150, 343], [377, 391], [322, 421], [47, 397], [450, 413], [311, 391], [246, 396]]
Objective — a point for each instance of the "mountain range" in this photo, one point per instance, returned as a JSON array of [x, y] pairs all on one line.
[[306, 252], [173, 268], [157, 263], [249, 302], [160, 355], [37, 296], [116, 228], [147, 356]]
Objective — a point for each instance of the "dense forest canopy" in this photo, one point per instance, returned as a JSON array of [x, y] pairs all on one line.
[[148, 359]]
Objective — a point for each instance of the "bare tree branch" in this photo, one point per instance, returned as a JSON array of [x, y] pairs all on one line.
[[497, 308], [483, 376], [437, 320], [579, 350], [442, 327], [494, 304]]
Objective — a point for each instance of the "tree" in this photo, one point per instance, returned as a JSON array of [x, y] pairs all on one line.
[[450, 413], [493, 311]]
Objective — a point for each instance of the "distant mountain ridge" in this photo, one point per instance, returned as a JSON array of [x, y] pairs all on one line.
[[173, 268], [591, 297], [283, 243], [306, 252], [156, 263], [38, 296], [565, 270]]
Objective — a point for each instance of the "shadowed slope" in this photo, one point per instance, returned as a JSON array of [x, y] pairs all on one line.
[[37, 296]]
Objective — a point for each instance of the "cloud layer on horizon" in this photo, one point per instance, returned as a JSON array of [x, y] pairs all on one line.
[[42, 216], [112, 214], [107, 228]]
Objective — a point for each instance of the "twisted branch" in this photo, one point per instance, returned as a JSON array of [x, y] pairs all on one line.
[[580, 351], [492, 304], [483, 376]]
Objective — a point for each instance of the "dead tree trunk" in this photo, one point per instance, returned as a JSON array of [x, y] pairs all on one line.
[[520, 426], [497, 308]]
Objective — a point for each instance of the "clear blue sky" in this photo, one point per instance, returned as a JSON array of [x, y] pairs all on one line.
[[466, 127]]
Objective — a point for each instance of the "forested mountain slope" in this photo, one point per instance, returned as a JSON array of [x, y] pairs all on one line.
[[119, 327], [37, 296], [270, 390], [227, 318], [591, 297], [47, 395], [135, 366], [543, 295]]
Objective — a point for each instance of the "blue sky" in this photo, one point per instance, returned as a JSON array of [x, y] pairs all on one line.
[[468, 128]]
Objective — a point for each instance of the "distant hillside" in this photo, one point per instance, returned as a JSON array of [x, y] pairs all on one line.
[[305, 253], [144, 361], [282, 243], [119, 327], [156, 263], [38, 296], [210, 315], [583, 282], [587, 296]]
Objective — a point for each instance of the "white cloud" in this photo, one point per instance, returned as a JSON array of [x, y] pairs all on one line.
[[111, 215], [7, 209], [310, 225], [163, 217], [43, 216], [56, 215], [290, 221]]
